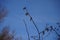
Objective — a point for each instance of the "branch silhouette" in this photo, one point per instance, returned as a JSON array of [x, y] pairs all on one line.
[[31, 19], [26, 29]]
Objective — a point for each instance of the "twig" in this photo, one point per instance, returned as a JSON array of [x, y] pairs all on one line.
[[26, 29], [27, 14]]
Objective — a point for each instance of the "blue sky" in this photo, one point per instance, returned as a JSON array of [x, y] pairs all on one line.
[[42, 11]]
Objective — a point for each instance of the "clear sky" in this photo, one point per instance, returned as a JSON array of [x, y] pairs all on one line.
[[42, 11]]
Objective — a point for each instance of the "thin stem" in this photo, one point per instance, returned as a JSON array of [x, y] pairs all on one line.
[[27, 14], [56, 32], [35, 26], [36, 29], [26, 29]]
